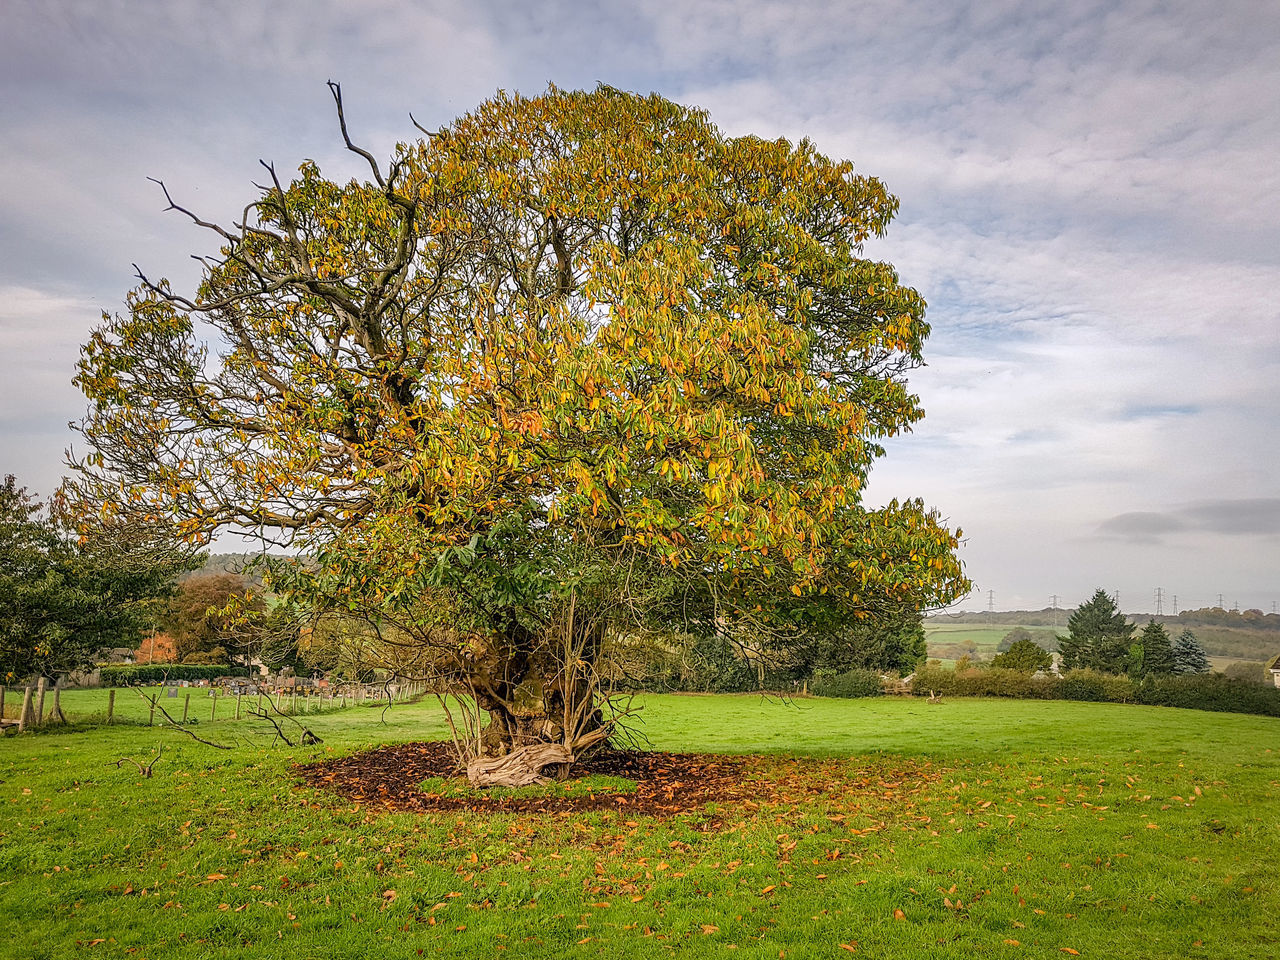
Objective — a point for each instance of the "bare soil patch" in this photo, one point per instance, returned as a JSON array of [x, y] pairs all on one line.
[[666, 783]]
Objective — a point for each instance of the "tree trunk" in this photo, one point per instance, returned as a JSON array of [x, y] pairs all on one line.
[[520, 767], [535, 702]]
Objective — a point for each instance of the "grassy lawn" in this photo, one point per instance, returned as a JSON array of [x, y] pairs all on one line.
[[893, 828]]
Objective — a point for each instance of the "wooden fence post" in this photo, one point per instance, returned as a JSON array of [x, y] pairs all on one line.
[[40, 688], [186, 705], [26, 710], [213, 710], [57, 703], [238, 696], [111, 703]]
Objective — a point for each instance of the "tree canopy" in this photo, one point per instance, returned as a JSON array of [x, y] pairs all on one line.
[[573, 364], [63, 598], [1024, 655]]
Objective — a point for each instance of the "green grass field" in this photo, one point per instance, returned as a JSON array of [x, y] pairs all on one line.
[[900, 829]]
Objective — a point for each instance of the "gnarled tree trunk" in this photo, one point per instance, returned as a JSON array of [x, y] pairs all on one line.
[[542, 702]]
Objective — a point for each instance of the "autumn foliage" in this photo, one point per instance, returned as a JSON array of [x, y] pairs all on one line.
[[157, 648], [575, 367]]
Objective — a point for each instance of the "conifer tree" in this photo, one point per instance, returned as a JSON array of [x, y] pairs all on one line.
[[1157, 651], [1188, 655], [1098, 636]]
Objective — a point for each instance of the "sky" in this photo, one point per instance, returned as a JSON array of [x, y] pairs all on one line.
[[1090, 204]]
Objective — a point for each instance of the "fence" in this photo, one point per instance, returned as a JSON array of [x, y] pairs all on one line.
[[44, 705]]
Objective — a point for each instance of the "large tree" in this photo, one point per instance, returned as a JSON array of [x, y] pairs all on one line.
[[575, 365], [65, 598], [1098, 636], [209, 611]]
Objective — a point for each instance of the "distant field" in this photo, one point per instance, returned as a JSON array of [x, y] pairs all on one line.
[[945, 640], [884, 828], [1224, 646]]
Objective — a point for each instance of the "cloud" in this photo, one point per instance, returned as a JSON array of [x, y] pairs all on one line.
[[1236, 517], [1257, 517], [1140, 527]]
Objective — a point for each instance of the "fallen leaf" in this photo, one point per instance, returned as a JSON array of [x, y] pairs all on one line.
[[770, 888], [1074, 953], [899, 915], [710, 928], [849, 946], [1013, 943], [217, 876]]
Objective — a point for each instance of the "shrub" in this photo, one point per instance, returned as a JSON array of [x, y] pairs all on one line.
[[1095, 687], [1192, 691], [850, 683], [1248, 671], [992, 682], [1211, 691], [149, 673], [935, 679]]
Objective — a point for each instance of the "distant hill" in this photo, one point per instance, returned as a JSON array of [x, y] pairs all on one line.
[[1014, 618], [230, 563]]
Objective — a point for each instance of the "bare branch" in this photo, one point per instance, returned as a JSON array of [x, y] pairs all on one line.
[[430, 133], [146, 769], [155, 702], [336, 90]]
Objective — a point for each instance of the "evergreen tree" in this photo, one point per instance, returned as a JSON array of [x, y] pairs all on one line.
[[1157, 650], [1188, 655], [1098, 636]]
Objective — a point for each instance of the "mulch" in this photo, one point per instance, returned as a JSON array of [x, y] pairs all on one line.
[[666, 783]]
